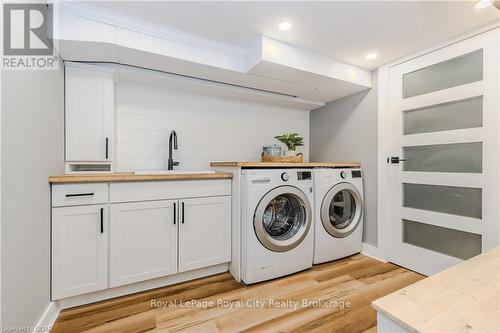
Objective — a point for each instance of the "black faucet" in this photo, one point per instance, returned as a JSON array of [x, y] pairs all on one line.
[[171, 162]]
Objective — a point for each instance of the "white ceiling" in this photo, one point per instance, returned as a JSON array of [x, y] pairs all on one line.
[[346, 30]]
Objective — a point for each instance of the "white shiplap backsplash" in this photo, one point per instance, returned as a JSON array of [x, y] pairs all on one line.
[[208, 128]]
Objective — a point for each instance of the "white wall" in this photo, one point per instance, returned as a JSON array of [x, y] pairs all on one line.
[[208, 128], [32, 135], [346, 130]]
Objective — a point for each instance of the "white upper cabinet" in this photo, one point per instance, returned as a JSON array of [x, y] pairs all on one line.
[[204, 232], [89, 113]]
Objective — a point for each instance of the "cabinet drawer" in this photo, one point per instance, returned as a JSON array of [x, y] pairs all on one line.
[[79, 194], [164, 190]]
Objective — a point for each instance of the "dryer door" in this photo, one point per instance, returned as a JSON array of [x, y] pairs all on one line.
[[341, 210], [282, 218]]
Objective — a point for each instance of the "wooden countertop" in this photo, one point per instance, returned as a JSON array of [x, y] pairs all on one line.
[[129, 177], [250, 164], [463, 298]]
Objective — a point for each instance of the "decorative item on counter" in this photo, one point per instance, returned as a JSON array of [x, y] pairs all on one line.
[[291, 141], [273, 150]]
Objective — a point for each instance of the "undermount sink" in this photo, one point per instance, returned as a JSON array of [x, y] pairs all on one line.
[[172, 172]]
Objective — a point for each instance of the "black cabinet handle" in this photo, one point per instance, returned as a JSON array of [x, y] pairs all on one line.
[[175, 212], [102, 220], [183, 212], [79, 194], [107, 148]]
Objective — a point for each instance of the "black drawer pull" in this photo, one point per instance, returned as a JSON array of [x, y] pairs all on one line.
[[175, 212], [79, 194], [102, 220]]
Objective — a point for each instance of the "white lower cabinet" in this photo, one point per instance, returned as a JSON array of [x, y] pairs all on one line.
[[148, 233], [143, 241], [79, 250], [204, 232]]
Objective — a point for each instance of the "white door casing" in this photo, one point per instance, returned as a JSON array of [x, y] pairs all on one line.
[[486, 225]]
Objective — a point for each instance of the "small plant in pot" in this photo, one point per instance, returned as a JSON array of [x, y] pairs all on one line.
[[291, 141]]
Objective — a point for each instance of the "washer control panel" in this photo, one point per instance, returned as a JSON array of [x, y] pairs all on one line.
[[285, 177], [356, 174]]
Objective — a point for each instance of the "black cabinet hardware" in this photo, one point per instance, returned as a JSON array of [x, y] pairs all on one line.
[[183, 212], [102, 220], [395, 160], [175, 212], [107, 148], [79, 194]]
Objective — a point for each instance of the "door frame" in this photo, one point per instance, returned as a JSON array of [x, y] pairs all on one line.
[[384, 138]]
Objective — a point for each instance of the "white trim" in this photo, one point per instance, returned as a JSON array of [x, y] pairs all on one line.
[[383, 212], [48, 317], [141, 286], [122, 21], [373, 252], [457, 39]]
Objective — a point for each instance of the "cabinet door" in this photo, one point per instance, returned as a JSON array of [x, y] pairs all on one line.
[[204, 232], [89, 114], [143, 241], [79, 250]]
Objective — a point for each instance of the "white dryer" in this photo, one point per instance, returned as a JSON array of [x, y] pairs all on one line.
[[276, 223], [338, 231]]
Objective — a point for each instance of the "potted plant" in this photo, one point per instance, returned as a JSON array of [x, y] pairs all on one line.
[[291, 141]]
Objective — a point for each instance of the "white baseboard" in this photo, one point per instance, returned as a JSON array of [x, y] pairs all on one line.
[[48, 318], [373, 251]]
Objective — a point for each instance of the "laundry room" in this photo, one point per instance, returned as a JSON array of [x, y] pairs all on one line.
[[186, 166]]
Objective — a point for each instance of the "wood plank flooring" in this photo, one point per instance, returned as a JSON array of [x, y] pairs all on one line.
[[332, 297]]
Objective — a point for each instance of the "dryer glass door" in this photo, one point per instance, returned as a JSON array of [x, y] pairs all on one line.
[[341, 210], [282, 218]]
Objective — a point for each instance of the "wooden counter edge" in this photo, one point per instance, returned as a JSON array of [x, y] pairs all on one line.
[[130, 177], [256, 164]]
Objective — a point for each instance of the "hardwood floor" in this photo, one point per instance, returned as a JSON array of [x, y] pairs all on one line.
[[338, 295]]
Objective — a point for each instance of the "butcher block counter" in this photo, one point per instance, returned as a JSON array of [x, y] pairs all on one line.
[[463, 298], [251, 165], [130, 177]]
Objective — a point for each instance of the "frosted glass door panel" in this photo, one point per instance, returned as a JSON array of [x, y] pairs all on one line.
[[466, 113], [463, 201], [456, 157], [457, 71], [455, 243]]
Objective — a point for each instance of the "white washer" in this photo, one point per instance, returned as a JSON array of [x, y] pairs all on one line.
[[338, 231], [276, 223]]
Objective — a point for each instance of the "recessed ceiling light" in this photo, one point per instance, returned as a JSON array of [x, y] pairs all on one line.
[[284, 26], [482, 4], [371, 56]]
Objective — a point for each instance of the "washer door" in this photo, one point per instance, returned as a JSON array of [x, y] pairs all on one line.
[[282, 218], [341, 210]]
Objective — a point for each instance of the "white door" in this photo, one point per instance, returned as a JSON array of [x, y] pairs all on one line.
[[444, 126], [89, 113], [143, 241], [204, 232], [79, 250]]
